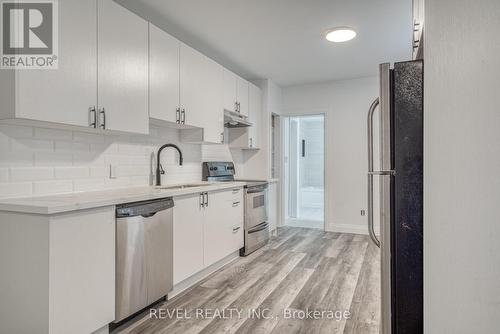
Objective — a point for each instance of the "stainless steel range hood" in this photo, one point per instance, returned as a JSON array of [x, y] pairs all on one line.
[[235, 120]]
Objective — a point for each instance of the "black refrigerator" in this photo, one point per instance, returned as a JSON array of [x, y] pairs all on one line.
[[400, 178]]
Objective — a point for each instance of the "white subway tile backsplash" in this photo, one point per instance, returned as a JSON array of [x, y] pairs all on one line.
[[15, 189], [71, 172], [4, 174], [53, 159], [16, 131], [133, 170], [99, 171], [31, 173], [52, 187], [13, 158], [4, 142], [68, 146], [53, 134], [88, 137], [37, 161], [88, 159], [31, 145], [88, 184]]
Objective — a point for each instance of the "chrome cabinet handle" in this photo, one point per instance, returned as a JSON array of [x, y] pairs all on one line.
[[183, 116], [371, 230], [202, 200], [235, 204], [102, 113], [251, 142], [206, 200], [235, 191], [92, 117], [178, 115], [222, 137], [236, 228]]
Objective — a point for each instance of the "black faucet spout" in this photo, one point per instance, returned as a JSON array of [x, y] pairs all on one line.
[[159, 169]]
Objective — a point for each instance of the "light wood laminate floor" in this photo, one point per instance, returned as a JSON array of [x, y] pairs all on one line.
[[299, 270]]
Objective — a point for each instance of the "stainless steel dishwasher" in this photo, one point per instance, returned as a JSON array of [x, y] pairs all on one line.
[[144, 254]]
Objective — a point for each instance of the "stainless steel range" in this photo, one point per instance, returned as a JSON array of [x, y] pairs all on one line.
[[256, 217]]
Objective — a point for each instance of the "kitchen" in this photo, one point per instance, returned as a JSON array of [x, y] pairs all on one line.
[[157, 174]]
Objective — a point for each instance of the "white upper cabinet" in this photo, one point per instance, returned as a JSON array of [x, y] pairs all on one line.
[[193, 89], [123, 62], [201, 94], [243, 86], [248, 138], [213, 116], [235, 93], [230, 90], [164, 76], [255, 116], [62, 95]]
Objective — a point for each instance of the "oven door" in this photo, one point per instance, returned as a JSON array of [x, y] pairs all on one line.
[[255, 206]]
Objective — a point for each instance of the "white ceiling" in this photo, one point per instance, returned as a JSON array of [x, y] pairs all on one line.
[[283, 39]]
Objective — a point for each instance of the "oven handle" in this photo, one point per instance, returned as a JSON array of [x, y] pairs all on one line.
[[259, 228], [256, 190]]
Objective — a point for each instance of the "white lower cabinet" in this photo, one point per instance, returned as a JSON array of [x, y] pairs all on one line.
[[58, 272], [207, 228], [223, 226], [188, 236]]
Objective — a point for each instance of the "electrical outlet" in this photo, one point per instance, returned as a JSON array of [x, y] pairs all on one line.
[[363, 212]]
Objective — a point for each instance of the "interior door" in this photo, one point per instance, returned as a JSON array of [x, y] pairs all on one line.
[[64, 95], [163, 75], [123, 68]]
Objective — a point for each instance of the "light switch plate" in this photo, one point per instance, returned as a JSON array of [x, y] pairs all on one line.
[[113, 172]]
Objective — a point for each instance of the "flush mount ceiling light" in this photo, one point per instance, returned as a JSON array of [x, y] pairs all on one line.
[[340, 34]]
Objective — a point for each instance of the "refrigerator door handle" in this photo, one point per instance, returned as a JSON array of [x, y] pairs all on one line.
[[371, 230]]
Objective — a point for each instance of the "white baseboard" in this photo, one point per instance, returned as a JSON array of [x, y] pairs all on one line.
[[349, 228], [190, 281]]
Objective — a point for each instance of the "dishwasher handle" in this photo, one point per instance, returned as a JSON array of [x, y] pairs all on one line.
[[145, 209]]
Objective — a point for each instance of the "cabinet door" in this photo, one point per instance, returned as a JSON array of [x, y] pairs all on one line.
[[213, 116], [64, 95], [255, 116], [163, 75], [223, 233], [230, 90], [243, 86], [82, 270], [193, 89], [188, 236], [122, 68]]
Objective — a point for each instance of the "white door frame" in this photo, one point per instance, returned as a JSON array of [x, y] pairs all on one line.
[[326, 173]]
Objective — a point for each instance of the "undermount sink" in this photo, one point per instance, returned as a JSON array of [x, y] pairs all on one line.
[[183, 186]]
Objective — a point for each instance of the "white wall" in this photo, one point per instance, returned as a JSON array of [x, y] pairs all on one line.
[[462, 167], [345, 105], [38, 161]]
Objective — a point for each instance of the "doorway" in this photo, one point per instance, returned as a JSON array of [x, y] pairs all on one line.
[[304, 171]]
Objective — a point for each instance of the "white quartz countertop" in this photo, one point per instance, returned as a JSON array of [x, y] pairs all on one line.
[[48, 205]]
